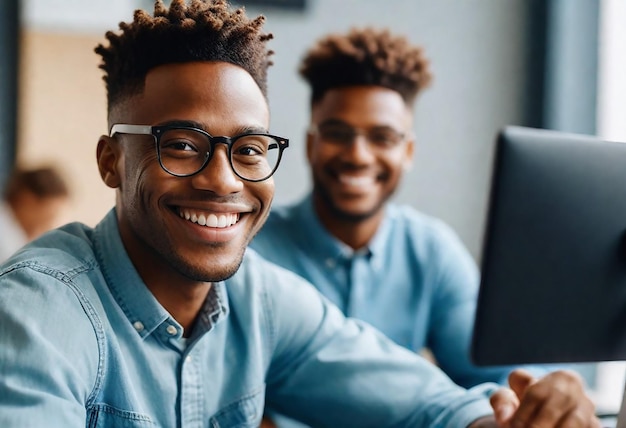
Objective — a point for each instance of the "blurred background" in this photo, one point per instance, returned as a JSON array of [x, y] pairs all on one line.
[[547, 64]]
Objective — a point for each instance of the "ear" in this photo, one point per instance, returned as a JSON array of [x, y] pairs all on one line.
[[108, 154], [309, 145], [408, 158]]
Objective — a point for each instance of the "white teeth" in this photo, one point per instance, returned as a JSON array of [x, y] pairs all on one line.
[[356, 180], [209, 220], [212, 220]]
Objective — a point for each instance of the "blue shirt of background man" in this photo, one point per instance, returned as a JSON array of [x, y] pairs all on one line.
[[415, 282], [83, 342]]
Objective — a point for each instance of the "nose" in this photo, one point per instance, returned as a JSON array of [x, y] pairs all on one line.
[[218, 176], [359, 151]]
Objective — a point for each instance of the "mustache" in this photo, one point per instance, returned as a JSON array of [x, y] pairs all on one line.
[[204, 196]]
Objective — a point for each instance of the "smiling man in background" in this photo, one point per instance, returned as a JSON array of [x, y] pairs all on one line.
[[404, 272]]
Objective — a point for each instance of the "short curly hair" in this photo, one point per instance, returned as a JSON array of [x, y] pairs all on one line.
[[366, 56], [204, 30]]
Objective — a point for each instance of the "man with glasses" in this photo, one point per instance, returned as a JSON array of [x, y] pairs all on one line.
[[405, 273], [159, 317]]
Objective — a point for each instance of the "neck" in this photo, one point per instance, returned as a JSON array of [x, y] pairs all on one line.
[[184, 304], [183, 299], [180, 295], [356, 232]]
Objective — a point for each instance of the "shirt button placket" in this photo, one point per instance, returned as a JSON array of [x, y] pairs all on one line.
[[359, 283], [191, 400]]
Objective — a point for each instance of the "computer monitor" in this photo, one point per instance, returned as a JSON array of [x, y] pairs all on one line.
[[553, 268]]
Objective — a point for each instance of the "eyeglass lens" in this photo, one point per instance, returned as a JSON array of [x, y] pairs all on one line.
[[382, 136], [185, 151]]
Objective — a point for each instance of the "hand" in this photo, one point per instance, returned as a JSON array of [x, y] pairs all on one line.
[[556, 400]]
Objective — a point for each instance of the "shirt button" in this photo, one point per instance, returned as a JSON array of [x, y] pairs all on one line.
[[138, 325], [188, 358], [330, 263], [171, 330]]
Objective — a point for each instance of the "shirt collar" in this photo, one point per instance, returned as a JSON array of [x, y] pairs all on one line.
[[140, 306], [214, 309], [319, 239]]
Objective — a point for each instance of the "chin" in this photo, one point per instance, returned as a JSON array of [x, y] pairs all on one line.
[[200, 274], [208, 269], [355, 215]]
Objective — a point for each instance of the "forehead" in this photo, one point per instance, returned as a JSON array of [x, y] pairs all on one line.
[[219, 95], [363, 106]]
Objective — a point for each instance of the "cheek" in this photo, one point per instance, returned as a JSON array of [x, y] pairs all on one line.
[[143, 180], [396, 164], [140, 164], [320, 153], [266, 193]]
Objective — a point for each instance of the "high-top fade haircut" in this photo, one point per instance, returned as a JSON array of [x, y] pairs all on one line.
[[366, 56], [203, 30]]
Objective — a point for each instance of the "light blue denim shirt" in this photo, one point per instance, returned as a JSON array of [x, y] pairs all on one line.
[[83, 342], [415, 281]]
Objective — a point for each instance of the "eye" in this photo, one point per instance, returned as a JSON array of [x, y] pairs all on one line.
[[384, 137], [179, 148], [249, 151], [182, 143], [337, 134], [253, 145], [178, 145], [381, 138]]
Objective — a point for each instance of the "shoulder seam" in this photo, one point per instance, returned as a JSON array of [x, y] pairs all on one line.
[[68, 279]]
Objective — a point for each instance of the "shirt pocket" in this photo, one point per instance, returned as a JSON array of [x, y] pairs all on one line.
[[244, 413], [104, 416]]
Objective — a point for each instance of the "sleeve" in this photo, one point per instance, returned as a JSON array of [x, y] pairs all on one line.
[[452, 315], [45, 370], [330, 371]]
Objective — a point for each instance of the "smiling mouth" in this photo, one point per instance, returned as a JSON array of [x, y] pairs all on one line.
[[356, 180], [220, 220]]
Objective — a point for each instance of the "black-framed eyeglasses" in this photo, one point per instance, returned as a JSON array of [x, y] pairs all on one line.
[[186, 150], [339, 133]]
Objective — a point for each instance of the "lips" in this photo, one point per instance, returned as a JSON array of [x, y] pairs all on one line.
[[209, 219]]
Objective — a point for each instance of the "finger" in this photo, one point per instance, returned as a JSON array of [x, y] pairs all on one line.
[[581, 417], [520, 380], [541, 404], [557, 397], [504, 403]]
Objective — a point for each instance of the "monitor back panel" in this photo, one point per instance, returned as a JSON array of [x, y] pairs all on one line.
[[553, 285]]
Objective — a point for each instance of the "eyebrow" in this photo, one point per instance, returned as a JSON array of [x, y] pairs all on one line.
[[339, 122], [250, 129], [334, 122]]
